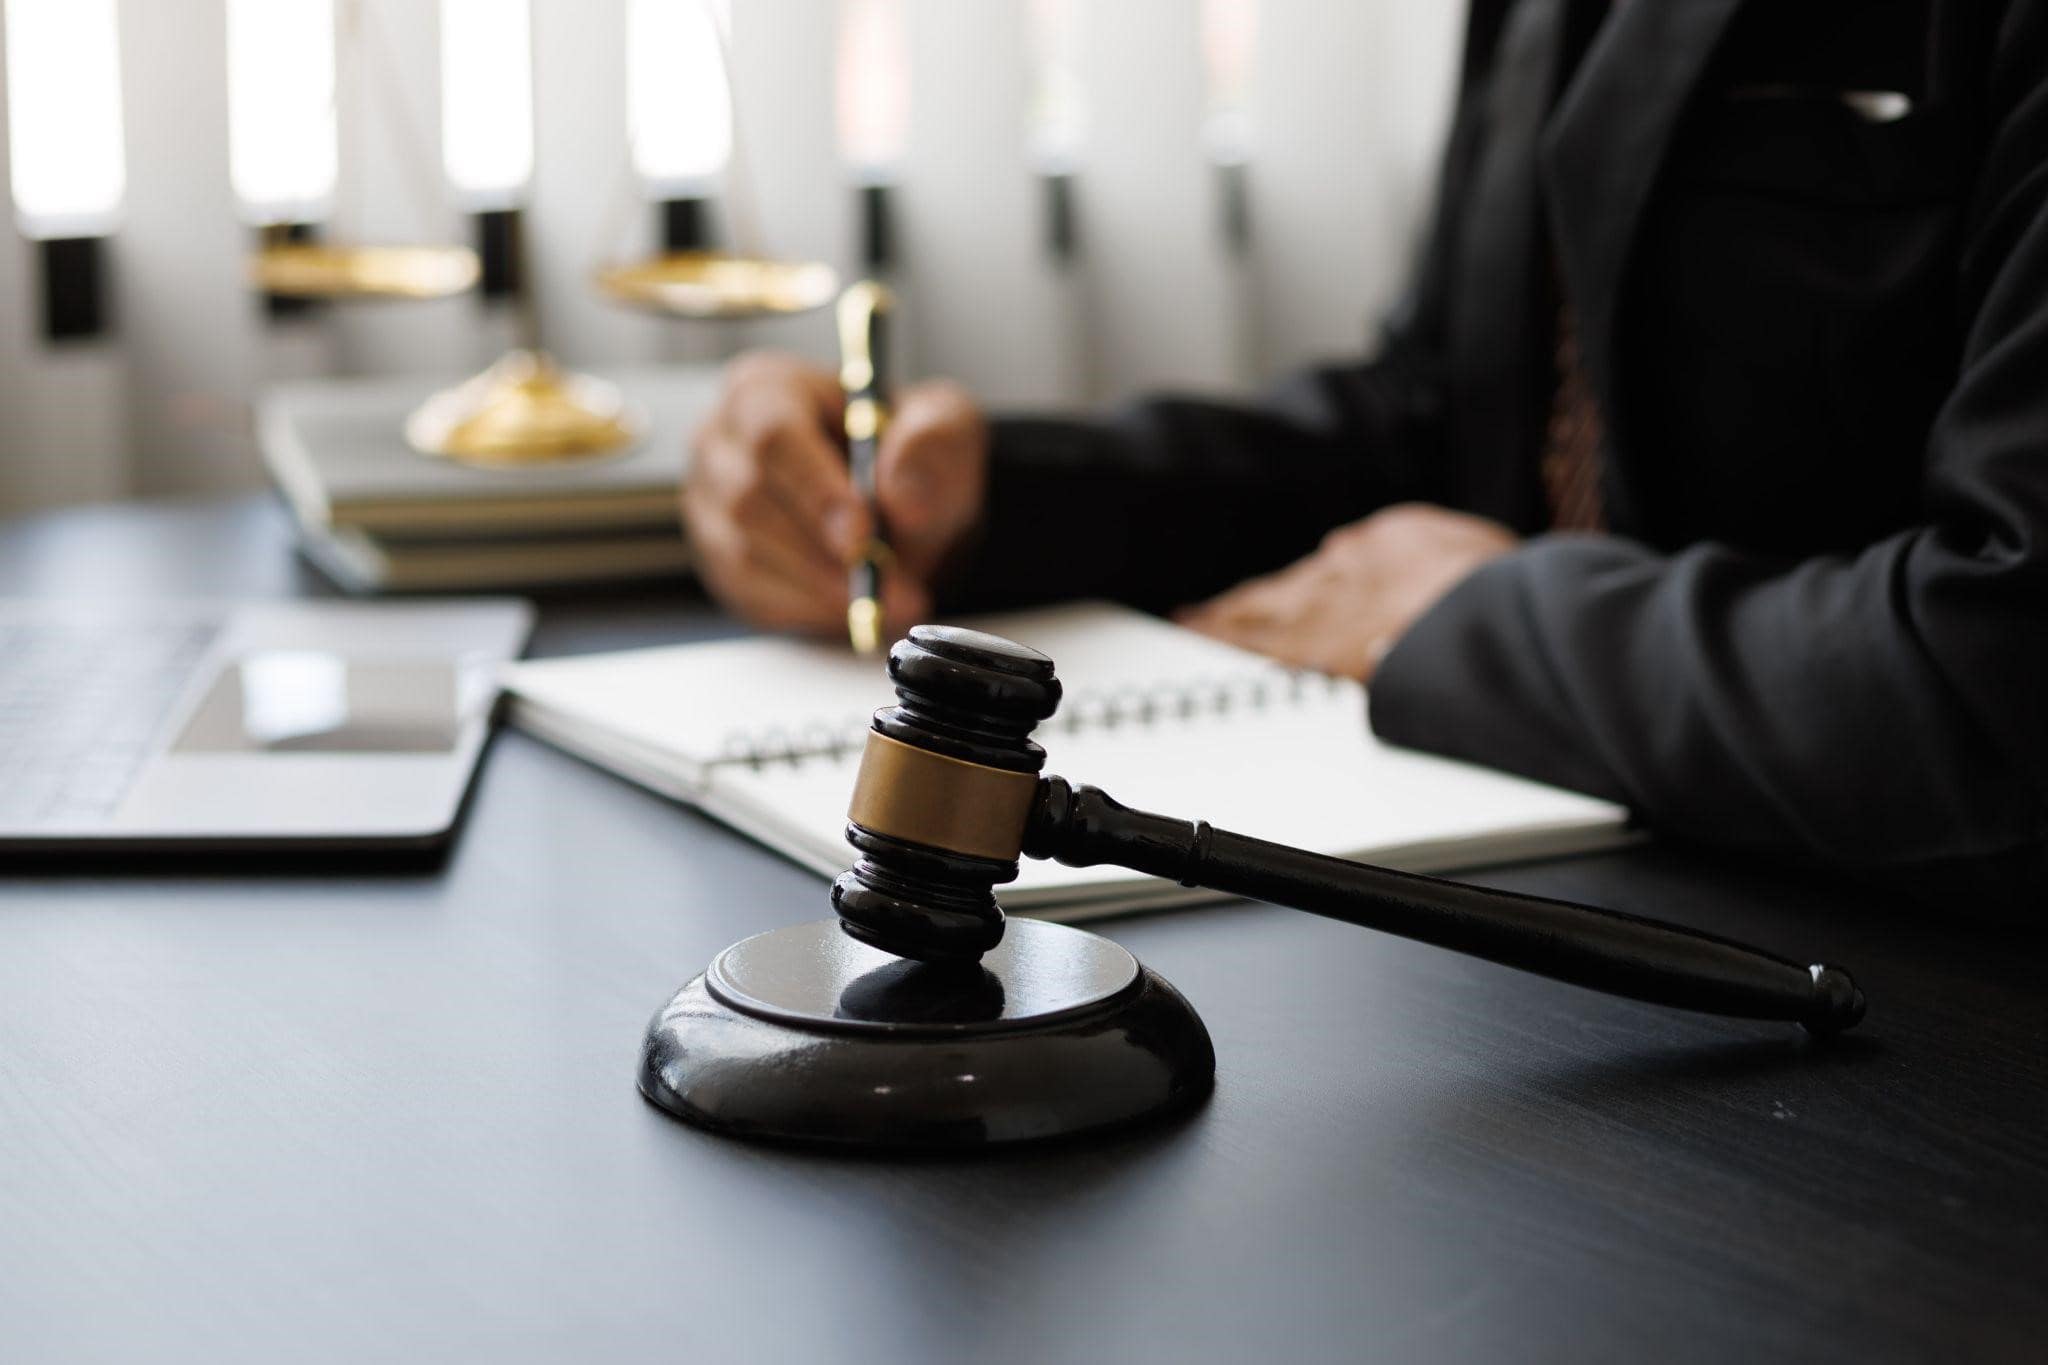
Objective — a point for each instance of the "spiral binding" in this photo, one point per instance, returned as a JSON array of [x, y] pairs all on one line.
[[1190, 699]]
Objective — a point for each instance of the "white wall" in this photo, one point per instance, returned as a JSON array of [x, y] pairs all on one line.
[[786, 158], [982, 303], [583, 209], [390, 187], [1155, 273], [1346, 113], [63, 431], [1348, 109], [186, 320]]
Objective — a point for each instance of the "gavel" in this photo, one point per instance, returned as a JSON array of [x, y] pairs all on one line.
[[919, 1018], [951, 792]]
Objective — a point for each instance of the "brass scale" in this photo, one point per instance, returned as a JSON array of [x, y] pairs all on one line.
[[525, 408]]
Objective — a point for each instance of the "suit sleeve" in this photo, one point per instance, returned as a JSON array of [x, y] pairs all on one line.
[[1173, 499], [1885, 712]]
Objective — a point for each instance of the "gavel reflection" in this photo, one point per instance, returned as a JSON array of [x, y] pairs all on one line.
[[951, 794]]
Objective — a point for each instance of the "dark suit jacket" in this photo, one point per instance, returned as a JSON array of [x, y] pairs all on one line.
[[1820, 340]]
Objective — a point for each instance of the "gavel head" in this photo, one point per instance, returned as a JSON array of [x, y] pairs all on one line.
[[945, 790]]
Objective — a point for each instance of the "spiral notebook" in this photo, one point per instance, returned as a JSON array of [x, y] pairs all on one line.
[[764, 734]]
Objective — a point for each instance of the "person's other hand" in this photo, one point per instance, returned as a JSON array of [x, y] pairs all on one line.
[[1342, 608], [771, 512]]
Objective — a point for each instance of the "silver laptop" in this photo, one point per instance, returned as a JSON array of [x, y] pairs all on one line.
[[327, 724]]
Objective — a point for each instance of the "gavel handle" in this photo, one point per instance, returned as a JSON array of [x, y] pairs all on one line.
[[1601, 949]]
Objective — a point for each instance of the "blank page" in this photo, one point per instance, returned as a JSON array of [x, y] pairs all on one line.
[[698, 704]]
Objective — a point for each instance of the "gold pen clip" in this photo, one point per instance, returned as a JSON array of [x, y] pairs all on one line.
[[857, 309], [865, 419], [864, 625]]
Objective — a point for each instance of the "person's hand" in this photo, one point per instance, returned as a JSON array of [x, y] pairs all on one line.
[[771, 512], [1342, 608]]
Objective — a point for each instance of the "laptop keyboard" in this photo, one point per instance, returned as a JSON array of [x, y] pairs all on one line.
[[81, 703]]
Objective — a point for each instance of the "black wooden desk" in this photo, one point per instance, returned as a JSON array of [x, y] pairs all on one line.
[[388, 1116]]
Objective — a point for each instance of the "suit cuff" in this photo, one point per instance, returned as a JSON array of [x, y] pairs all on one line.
[[1471, 678]]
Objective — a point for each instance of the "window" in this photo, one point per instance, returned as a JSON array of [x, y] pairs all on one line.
[[1057, 118], [679, 106], [487, 99], [1229, 35], [64, 116], [873, 88], [281, 148]]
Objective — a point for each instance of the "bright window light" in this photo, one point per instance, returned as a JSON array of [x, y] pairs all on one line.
[[487, 98], [1230, 30], [874, 87], [679, 107], [64, 116], [1057, 117], [281, 151]]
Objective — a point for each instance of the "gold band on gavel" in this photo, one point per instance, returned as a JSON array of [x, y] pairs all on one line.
[[946, 803]]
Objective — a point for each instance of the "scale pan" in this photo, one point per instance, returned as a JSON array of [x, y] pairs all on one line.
[[712, 284], [313, 271], [525, 410]]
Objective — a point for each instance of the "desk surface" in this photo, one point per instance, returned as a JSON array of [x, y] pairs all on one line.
[[382, 1115]]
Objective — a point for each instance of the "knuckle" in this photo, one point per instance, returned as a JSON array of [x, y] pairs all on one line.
[[922, 450], [1403, 514], [727, 472], [944, 399], [749, 506], [713, 453], [769, 418], [765, 422], [753, 479], [907, 430], [937, 408]]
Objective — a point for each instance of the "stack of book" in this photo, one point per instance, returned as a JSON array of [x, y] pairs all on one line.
[[377, 516]]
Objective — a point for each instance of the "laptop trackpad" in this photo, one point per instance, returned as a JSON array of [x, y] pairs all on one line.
[[317, 701]]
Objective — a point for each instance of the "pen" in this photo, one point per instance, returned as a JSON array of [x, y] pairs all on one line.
[[863, 345]]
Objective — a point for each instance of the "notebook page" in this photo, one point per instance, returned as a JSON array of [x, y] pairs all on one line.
[[686, 706], [765, 733], [694, 705]]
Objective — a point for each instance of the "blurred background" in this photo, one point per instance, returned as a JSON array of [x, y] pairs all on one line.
[[1073, 200]]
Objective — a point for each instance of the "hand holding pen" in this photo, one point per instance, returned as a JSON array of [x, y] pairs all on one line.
[[770, 508], [920, 474]]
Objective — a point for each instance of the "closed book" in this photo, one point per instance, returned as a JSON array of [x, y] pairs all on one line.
[[337, 451], [368, 564]]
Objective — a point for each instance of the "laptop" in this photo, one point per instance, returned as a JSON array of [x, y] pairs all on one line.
[[260, 725]]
